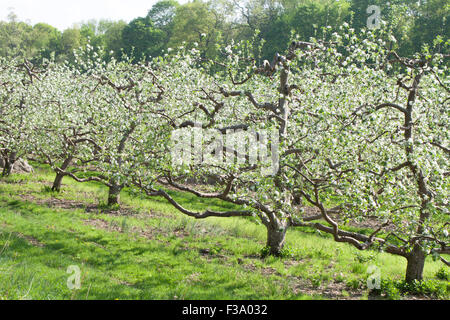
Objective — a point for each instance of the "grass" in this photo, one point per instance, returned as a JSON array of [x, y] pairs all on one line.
[[147, 250]]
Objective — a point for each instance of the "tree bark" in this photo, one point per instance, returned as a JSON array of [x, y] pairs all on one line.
[[114, 194], [416, 259], [416, 263], [57, 182], [9, 163], [114, 189], [275, 239], [7, 168], [59, 175]]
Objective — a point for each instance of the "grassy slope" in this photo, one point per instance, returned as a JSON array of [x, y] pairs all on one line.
[[149, 251]]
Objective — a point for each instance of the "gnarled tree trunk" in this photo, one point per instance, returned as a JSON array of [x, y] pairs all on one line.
[[275, 239], [415, 265], [57, 182], [9, 163], [7, 168], [60, 175], [114, 194]]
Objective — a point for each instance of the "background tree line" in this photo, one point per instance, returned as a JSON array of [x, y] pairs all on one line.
[[212, 24]]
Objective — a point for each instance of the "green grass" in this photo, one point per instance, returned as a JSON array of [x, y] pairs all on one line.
[[147, 250]]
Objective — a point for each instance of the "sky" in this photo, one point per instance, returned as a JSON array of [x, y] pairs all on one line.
[[63, 14]]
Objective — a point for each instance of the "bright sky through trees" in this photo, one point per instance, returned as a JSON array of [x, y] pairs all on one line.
[[63, 14]]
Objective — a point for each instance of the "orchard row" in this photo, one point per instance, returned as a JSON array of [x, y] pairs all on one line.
[[361, 132]]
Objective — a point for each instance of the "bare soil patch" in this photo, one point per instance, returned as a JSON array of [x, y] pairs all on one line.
[[88, 207], [32, 241]]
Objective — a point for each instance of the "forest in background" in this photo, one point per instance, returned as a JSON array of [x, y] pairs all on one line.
[[215, 24]]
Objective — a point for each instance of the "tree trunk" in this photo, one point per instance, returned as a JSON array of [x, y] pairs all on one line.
[[7, 168], [114, 194], [59, 175], [57, 182], [416, 263], [275, 239], [9, 163]]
